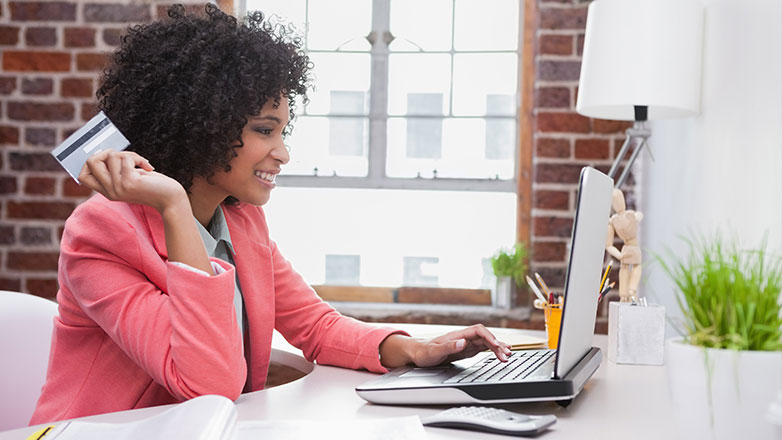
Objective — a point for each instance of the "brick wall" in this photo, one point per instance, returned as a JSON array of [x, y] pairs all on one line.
[[564, 141], [52, 52]]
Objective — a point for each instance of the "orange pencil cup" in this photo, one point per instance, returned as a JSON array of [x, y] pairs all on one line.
[[553, 315]]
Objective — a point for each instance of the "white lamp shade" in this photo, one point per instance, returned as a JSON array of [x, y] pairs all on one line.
[[641, 53]]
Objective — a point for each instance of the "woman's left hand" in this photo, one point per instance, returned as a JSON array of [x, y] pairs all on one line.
[[398, 350]]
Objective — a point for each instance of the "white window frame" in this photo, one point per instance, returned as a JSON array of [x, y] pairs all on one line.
[[376, 177]]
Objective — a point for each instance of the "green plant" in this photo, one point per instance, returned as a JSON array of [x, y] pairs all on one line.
[[511, 263], [729, 298]]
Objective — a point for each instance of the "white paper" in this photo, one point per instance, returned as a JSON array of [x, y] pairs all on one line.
[[202, 418], [397, 428]]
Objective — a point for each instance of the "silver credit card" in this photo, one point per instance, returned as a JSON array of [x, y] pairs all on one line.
[[96, 135]]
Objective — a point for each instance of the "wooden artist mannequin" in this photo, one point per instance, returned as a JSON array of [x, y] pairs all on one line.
[[624, 223]]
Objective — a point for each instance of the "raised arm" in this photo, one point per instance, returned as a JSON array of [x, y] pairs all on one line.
[[115, 175]]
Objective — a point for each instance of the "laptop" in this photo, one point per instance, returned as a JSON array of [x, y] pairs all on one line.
[[529, 375]]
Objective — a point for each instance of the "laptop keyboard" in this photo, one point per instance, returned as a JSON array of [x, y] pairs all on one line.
[[520, 365]]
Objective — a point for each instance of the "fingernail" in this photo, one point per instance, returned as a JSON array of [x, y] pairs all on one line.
[[460, 343], [502, 357], [507, 350]]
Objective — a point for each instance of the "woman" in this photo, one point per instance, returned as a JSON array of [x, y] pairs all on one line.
[[169, 284]]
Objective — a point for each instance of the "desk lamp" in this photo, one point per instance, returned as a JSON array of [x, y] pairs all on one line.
[[641, 61]]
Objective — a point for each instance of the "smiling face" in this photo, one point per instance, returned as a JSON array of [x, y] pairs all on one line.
[[253, 170]]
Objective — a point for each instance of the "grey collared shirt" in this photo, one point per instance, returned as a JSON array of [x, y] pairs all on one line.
[[218, 244]]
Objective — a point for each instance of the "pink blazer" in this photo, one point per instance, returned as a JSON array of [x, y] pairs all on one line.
[[134, 330]]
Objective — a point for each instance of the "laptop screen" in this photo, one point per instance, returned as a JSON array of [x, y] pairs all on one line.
[[582, 281]]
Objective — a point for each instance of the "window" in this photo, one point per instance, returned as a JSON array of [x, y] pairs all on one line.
[[404, 159]]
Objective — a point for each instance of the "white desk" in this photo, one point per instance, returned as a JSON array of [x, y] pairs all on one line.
[[619, 401]]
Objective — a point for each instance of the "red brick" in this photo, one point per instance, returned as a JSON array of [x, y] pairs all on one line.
[[592, 149], [39, 185], [8, 185], [116, 13], [33, 162], [543, 199], [90, 61], [76, 87], [113, 37], [79, 37], [552, 147], [32, 260], [552, 226], [72, 189], [40, 36], [610, 126], [552, 97], [40, 136], [9, 35], [12, 284], [40, 111], [37, 86], [557, 173], [9, 135], [30, 61], [42, 11], [563, 18], [564, 122], [555, 44], [7, 235], [7, 85], [88, 110], [580, 45], [45, 288], [548, 251], [549, 70], [39, 210], [190, 8], [36, 236]]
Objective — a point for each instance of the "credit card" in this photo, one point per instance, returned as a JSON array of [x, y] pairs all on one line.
[[96, 135]]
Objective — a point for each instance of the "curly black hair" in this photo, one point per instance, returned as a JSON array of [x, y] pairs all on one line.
[[181, 89]]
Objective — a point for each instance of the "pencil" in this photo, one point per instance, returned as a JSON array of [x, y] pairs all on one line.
[[605, 275], [535, 289], [546, 290]]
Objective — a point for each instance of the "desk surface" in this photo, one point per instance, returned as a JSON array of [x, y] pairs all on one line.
[[618, 402]]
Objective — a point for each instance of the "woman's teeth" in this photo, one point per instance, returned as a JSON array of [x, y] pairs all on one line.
[[269, 177]]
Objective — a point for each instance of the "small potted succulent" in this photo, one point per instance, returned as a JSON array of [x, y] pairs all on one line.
[[726, 369], [509, 267]]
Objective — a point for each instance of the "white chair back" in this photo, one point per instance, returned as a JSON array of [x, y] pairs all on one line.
[[25, 336]]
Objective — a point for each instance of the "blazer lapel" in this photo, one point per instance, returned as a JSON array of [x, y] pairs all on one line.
[[253, 262]]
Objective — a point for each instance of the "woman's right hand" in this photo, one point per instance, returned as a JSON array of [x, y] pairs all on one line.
[[126, 176]]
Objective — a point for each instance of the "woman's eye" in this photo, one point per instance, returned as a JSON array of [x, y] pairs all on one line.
[[264, 130]]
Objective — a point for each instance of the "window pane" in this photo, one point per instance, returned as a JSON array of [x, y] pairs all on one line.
[[420, 271], [341, 24], [421, 25], [486, 25], [341, 83], [454, 147], [384, 227], [291, 11], [417, 74], [343, 269], [332, 145], [485, 84], [500, 139]]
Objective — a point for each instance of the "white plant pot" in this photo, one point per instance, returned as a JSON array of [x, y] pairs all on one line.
[[502, 294], [722, 394]]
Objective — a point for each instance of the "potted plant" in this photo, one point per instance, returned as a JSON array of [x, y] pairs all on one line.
[[727, 368], [509, 267]]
